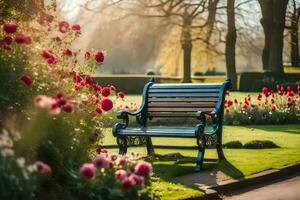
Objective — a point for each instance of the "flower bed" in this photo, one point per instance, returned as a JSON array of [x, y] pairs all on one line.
[[268, 107]]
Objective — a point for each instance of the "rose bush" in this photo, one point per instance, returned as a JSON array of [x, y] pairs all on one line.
[[42, 69]]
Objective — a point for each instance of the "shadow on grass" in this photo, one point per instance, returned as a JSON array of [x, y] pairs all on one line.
[[170, 166]]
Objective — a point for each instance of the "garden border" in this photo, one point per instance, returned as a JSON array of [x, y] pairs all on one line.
[[212, 192]]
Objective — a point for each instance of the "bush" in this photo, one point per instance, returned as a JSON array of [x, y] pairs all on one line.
[[233, 145], [260, 144], [150, 73], [198, 73]]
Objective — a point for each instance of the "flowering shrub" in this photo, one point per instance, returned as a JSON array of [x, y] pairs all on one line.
[[110, 176], [18, 179], [268, 107]]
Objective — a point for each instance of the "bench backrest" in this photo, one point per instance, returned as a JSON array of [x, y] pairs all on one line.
[[185, 99]]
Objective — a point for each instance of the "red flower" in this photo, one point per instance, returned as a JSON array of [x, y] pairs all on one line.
[[121, 95], [298, 87], [87, 55], [63, 26], [88, 170], [227, 110], [27, 40], [143, 168], [265, 90], [273, 100], [291, 93], [245, 106], [68, 107], [46, 54], [288, 88], [106, 91], [43, 168], [273, 108], [67, 52], [97, 87], [98, 110], [8, 40], [229, 103], [76, 27], [106, 104], [10, 28], [99, 56], [89, 80], [20, 39], [235, 101], [26, 79]]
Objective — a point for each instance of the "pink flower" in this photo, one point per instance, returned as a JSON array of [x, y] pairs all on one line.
[[126, 184], [106, 104], [143, 168], [121, 174], [123, 160], [10, 28], [49, 18], [136, 180], [26, 79], [43, 168], [43, 101], [112, 87], [67, 52], [8, 40], [87, 55], [106, 91], [99, 56], [63, 26], [101, 162], [76, 27], [20, 38], [88, 170]]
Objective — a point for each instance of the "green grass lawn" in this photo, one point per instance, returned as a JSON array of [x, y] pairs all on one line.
[[241, 162]]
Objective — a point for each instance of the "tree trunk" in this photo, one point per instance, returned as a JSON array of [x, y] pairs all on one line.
[[186, 45], [273, 22], [294, 38], [230, 44]]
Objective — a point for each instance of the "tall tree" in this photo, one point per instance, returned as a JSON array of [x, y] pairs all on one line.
[[230, 44], [293, 17], [273, 22]]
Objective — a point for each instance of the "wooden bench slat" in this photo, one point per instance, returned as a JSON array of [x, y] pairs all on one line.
[[196, 90], [176, 109], [171, 94], [182, 104]]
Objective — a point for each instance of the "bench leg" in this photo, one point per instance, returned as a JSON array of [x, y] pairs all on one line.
[[200, 156], [122, 143], [150, 148], [219, 147]]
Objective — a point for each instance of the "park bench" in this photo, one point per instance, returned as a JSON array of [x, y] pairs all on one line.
[[202, 101]]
